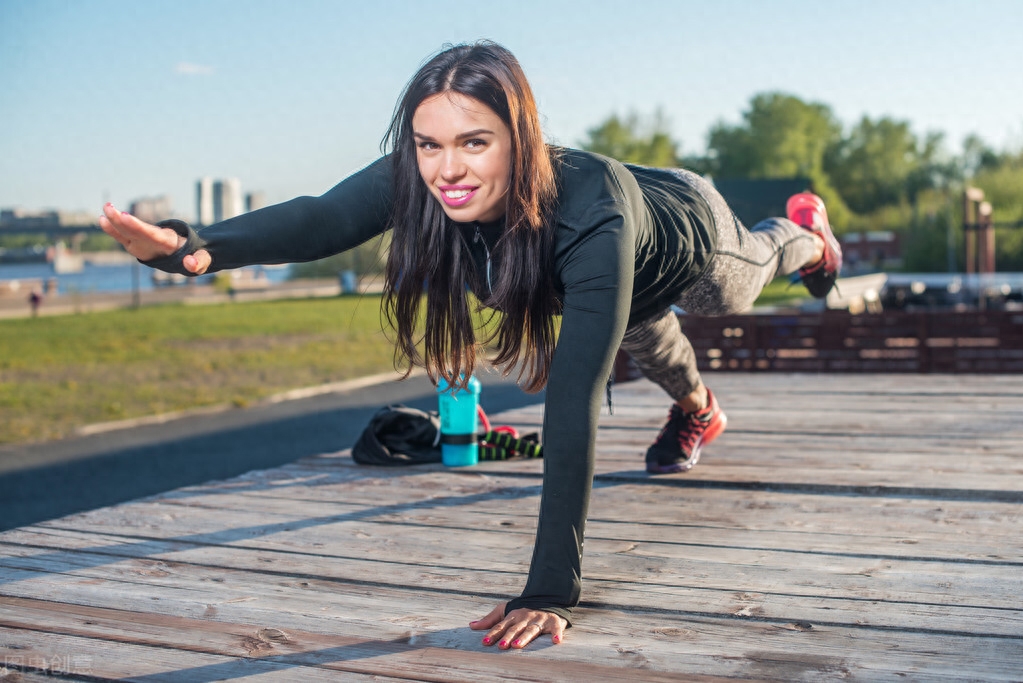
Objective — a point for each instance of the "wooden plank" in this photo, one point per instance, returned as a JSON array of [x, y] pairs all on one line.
[[425, 657], [68, 657], [908, 519], [693, 543], [701, 635], [988, 580], [827, 524], [690, 646], [904, 520], [638, 581]]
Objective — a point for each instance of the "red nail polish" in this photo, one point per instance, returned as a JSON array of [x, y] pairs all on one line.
[[557, 639], [516, 643], [504, 643], [125, 213], [486, 641]]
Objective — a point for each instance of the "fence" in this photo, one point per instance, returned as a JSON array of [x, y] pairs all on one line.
[[836, 341]]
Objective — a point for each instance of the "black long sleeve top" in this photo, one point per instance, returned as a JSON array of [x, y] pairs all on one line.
[[628, 241]]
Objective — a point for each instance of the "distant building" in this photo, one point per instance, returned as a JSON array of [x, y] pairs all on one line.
[[254, 201], [204, 201], [227, 199], [870, 252], [17, 218], [74, 218], [222, 198], [754, 200], [25, 218], [152, 209]]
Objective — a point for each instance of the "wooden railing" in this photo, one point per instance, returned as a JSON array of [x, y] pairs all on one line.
[[836, 341]]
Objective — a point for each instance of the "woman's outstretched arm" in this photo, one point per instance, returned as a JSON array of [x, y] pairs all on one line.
[[303, 229]]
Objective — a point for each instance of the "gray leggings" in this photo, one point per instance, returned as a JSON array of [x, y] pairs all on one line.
[[744, 262]]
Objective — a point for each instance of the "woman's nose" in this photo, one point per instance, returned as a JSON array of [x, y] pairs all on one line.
[[452, 168]]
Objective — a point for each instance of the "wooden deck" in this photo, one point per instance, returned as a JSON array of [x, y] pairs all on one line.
[[846, 527]]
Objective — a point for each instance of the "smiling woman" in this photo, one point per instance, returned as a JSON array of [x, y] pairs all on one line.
[[475, 200]]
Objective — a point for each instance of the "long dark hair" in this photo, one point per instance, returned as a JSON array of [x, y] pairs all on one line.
[[428, 247]]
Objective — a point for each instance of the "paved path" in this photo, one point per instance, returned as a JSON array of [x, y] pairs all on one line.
[[69, 304]]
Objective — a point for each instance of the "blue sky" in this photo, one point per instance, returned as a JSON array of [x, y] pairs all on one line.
[[110, 99]]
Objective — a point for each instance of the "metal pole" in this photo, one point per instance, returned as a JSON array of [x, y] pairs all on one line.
[[136, 295], [950, 238]]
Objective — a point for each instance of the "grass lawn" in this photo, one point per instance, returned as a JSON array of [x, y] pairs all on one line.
[[59, 373], [781, 291]]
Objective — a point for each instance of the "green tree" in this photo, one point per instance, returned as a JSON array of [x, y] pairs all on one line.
[[882, 163], [978, 156], [634, 140], [780, 136]]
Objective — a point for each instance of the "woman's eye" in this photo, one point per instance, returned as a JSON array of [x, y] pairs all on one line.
[[475, 143], [426, 145]]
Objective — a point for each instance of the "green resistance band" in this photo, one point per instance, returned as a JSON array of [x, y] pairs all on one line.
[[503, 446]]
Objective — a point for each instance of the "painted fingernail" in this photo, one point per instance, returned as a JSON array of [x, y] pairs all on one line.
[[504, 643], [125, 213], [557, 639], [517, 643], [486, 641]]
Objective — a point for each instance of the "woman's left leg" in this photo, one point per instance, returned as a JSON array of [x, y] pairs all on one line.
[[745, 262]]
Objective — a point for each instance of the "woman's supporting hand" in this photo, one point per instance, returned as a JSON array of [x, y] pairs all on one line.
[[519, 628], [147, 242]]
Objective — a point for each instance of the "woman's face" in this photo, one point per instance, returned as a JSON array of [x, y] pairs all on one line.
[[464, 152]]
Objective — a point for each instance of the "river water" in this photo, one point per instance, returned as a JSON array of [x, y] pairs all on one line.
[[98, 278]]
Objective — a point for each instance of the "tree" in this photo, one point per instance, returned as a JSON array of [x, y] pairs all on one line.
[[978, 156], [780, 137], [882, 163], [633, 140]]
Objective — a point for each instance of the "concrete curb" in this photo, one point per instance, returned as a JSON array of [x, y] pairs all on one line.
[[290, 395]]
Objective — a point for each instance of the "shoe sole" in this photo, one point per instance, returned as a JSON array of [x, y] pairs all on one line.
[[713, 432]]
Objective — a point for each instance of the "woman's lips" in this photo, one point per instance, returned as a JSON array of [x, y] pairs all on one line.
[[457, 195]]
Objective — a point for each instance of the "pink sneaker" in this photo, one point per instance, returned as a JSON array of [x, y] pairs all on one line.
[[678, 446], [807, 211]]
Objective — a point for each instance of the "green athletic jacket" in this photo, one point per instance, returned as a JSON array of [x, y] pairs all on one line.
[[628, 241]]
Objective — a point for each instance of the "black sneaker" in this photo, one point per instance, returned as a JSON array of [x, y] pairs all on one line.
[[677, 448]]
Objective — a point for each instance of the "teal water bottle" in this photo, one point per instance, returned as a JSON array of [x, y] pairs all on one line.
[[459, 443]]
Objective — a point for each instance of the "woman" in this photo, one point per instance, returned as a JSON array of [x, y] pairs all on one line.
[[474, 196]]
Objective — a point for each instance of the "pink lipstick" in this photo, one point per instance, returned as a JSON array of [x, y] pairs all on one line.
[[457, 195]]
